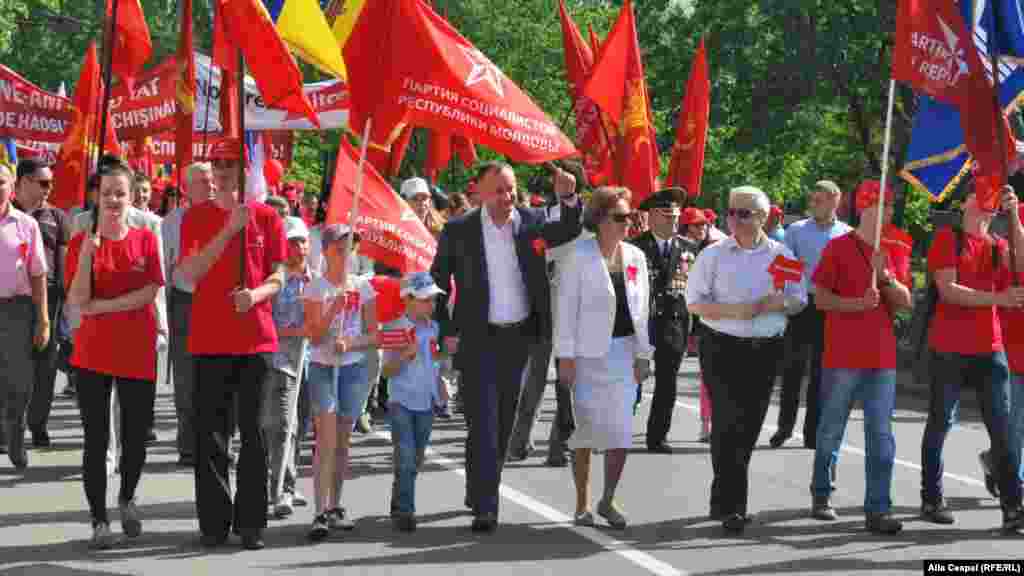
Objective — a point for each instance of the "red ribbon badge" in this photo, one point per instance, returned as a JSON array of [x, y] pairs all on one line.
[[540, 246], [784, 270], [23, 251], [631, 272]]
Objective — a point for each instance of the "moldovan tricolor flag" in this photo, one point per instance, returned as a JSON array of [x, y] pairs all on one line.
[[427, 74], [936, 55], [391, 233]]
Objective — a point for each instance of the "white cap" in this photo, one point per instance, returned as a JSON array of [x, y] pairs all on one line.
[[419, 285], [414, 187], [294, 227]]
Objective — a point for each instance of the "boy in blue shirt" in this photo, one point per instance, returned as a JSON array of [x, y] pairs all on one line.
[[413, 376]]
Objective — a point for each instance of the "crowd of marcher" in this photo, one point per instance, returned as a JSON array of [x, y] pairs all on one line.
[[276, 327]]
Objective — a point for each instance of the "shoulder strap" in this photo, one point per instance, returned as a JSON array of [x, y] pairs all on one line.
[[958, 243]]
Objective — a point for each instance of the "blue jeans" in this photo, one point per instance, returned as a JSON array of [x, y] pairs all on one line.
[[839, 389], [1017, 424], [412, 428], [990, 375]]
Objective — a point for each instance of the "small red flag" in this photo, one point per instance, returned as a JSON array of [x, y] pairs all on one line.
[[396, 339], [388, 160], [247, 25], [389, 298], [686, 168], [132, 44], [784, 270], [427, 74]]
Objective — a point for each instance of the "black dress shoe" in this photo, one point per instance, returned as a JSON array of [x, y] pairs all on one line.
[[253, 541], [659, 448], [779, 438], [485, 523], [735, 523], [150, 436], [187, 460], [213, 540]]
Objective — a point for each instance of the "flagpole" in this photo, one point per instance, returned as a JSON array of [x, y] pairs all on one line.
[[108, 72], [209, 89], [242, 263], [354, 213], [885, 168], [998, 111]]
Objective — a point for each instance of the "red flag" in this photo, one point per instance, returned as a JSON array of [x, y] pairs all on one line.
[[388, 160], [73, 160], [428, 75], [396, 339], [686, 168], [225, 57], [900, 245], [391, 232], [784, 270], [935, 53], [132, 46], [617, 86], [185, 90], [389, 298], [439, 154], [598, 163], [247, 25], [465, 150]]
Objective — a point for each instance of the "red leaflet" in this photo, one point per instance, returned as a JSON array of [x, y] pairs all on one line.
[[784, 270]]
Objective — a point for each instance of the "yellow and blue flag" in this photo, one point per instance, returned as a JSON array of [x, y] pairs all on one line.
[[343, 14], [936, 158], [303, 26], [8, 153]]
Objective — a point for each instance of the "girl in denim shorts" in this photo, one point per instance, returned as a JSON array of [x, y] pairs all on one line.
[[342, 319]]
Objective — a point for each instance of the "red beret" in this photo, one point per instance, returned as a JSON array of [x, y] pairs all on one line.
[[710, 215]]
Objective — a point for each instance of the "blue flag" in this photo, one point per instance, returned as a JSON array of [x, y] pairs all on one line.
[[936, 158]]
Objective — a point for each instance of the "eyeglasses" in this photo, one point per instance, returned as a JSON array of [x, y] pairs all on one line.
[[741, 213], [621, 217]]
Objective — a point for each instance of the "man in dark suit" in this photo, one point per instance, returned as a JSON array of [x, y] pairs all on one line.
[[668, 255], [496, 257]]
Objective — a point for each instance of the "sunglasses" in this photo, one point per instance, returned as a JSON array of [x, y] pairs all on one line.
[[44, 183], [621, 217], [741, 213]]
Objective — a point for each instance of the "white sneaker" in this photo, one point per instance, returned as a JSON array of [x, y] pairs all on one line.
[[130, 523], [339, 520], [283, 506], [298, 499], [102, 538]]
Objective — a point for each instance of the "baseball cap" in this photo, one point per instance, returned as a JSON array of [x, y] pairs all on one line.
[[414, 187], [294, 227], [335, 233], [419, 285]]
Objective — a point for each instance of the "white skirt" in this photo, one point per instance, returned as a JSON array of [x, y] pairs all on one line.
[[603, 398]]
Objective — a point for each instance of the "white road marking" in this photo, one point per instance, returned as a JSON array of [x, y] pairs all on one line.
[[561, 520]]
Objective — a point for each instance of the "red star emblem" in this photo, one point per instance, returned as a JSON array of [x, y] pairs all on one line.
[[483, 71]]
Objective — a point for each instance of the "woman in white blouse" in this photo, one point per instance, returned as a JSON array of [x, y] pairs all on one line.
[[602, 343]]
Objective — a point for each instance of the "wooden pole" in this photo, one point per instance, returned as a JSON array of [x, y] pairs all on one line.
[[108, 62], [998, 111], [885, 166], [242, 262]]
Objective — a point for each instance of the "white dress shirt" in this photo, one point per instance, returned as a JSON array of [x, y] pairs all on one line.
[[171, 230], [508, 298], [726, 273]]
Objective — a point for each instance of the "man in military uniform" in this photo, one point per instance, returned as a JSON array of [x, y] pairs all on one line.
[[668, 258]]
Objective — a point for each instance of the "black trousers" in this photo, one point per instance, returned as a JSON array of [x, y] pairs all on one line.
[[221, 383], [494, 380], [136, 398], [805, 343], [739, 374], [45, 367], [666, 373]]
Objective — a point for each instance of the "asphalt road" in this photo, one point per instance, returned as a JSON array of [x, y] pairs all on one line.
[[44, 519]]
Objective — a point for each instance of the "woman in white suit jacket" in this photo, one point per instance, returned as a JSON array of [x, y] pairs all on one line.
[[602, 343]]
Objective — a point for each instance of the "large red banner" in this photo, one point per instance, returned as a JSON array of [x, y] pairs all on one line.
[[30, 113], [162, 147]]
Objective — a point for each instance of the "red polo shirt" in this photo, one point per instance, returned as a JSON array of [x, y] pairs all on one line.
[[119, 343], [856, 340], [961, 329], [217, 329]]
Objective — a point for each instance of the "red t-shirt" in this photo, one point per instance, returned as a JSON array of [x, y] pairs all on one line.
[[856, 340], [959, 329], [119, 343], [217, 329], [1011, 322]]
